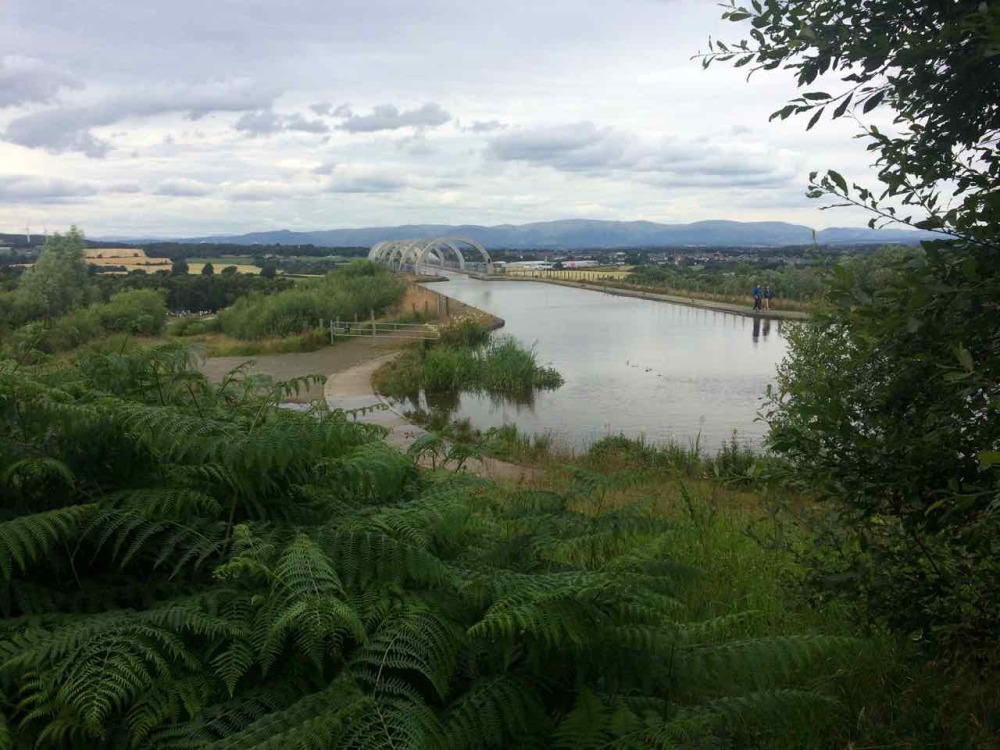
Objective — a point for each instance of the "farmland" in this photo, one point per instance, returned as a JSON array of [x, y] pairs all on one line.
[[130, 258]]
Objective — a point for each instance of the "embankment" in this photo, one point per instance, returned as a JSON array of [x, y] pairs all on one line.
[[671, 298]]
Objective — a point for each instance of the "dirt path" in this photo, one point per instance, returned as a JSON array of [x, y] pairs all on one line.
[[340, 356], [351, 389]]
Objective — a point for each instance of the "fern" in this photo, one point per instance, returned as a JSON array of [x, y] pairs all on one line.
[[190, 566], [413, 641], [33, 538], [495, 712], [315, 721]]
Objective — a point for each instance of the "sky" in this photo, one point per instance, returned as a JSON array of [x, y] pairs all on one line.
[[184, 118]]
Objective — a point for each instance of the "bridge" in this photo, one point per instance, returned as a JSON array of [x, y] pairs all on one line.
[[411, 256]]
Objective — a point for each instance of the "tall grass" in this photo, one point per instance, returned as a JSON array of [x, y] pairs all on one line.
[[355, 291], [467, 358], [502, 365]]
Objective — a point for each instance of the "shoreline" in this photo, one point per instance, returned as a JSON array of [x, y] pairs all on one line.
[[725, 307]]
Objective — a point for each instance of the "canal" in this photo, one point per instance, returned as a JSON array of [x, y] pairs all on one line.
[[631, 366]]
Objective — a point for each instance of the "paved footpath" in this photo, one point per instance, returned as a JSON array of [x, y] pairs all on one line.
[[675, 299], [352, 389]]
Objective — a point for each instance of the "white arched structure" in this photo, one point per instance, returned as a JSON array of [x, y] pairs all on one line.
[[447, 252]]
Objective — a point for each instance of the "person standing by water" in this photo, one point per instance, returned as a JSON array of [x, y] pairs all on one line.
[[757, 296], [768, 294]]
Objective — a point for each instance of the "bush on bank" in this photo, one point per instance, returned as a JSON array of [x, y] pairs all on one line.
[[357, 290]]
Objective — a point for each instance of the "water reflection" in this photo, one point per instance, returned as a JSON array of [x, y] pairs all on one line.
[[761, 329], [441, 407], [632, 366]]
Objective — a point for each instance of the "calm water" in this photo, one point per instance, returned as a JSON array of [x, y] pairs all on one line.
[[631, 366]]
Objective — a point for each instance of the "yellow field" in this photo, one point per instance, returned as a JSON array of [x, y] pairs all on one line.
[[131, 258], [571, 274], [195, 268]]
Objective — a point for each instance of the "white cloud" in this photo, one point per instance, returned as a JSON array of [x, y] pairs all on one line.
[[463, 112]]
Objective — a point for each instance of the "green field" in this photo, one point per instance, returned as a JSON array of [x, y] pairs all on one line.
[[221, 262]]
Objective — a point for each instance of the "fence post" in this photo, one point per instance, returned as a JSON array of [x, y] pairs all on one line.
[[373, 324], [333, 330], [447, 307]]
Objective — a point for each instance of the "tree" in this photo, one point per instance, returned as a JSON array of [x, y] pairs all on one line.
[[268, 271], [230, 270], [58, 282], [208, 270], [179, 268], [887, 406]]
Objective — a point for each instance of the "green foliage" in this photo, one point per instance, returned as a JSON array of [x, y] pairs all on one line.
[[188, 565], [140, 312], [888, 404], [58, 282], [465, 362], [187, 293], [793, 286], [467, 333], [356, 290]]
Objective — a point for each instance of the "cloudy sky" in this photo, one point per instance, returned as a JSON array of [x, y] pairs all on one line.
[[178, 117]]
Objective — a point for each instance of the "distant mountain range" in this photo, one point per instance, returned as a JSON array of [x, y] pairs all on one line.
[[585, 233]]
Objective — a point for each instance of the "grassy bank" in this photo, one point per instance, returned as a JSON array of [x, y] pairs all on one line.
[[468, 358]]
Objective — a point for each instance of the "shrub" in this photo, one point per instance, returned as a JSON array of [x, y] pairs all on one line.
[[142, 311], [356, 290]]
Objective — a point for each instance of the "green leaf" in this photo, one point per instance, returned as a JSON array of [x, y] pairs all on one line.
[[814, 119], [842, 107], [816, 95], [964, 358], [838, 180], [873, 102]]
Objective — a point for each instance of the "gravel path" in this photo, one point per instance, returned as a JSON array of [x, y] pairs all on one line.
[[340, 356]]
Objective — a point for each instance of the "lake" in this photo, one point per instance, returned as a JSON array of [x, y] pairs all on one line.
[[631, 366]]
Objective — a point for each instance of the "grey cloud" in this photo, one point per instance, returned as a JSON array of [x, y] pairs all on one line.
[[298, 122], [126, 187], [26, 80], [268, 122], [366, 184], [254, 124], [584, 147], [485, 126], [325, 168], [22, 188], [266, 190], [576, 147], [321, 108], [182, 187], [63, 129], [388, 117]]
